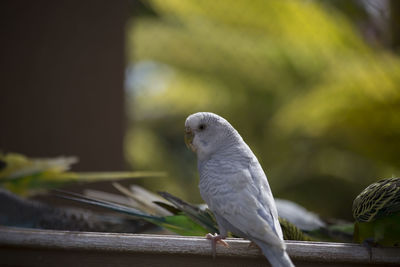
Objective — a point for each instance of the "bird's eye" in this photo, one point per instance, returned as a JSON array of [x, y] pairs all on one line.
[[202, 127]]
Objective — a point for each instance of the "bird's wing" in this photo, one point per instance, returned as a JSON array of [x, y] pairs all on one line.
[[379, 199], [264, 195], [244, 205], [393, 195]]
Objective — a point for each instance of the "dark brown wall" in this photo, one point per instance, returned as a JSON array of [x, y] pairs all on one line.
[[61, 80]]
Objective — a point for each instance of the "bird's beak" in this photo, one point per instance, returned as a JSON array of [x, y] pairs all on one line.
[[189, 135]]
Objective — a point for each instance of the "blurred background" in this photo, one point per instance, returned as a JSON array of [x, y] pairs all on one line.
[[312, 86]]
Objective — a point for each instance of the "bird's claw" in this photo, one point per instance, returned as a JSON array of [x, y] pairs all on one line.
[[369, 243], [253, 245], [214, 240]]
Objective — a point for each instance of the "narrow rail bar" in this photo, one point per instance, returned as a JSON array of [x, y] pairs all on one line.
[[29, 247]]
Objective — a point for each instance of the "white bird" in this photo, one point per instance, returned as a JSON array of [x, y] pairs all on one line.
[[298, 215], [234, 186]]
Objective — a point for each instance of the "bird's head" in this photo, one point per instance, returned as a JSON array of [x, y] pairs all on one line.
[[206, 133]]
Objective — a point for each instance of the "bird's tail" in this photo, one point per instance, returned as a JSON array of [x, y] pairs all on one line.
[[277, 257]]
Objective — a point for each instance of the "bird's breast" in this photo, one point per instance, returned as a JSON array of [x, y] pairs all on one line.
[[221, 180]]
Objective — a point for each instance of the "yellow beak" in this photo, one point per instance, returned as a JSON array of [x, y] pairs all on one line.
[[189, 135]]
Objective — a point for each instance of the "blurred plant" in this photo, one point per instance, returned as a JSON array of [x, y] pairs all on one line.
[[316, 103], [25, 176]]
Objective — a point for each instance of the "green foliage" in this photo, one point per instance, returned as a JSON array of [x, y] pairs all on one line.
[[317, 105], [24, 176]]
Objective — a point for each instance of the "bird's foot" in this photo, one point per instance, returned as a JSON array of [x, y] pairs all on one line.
[[369, 243], [253, 245], [214, 240]]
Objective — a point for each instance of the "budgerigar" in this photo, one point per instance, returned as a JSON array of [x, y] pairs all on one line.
[[377, 213], [234, 186]]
